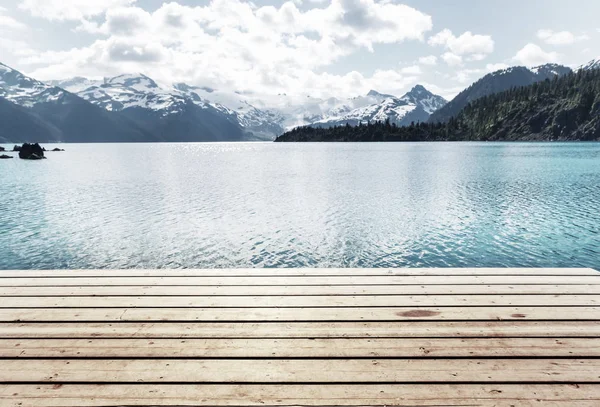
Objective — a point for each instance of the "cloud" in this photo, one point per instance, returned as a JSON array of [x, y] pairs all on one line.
[[476, 57], [496, 67], [560, 37], [12, 35], [119, 21], [466, 43], [62, 10], [466, 75], [9, 23], [411, 70], [235, 45], [532, 54], [123, 50], [451, 59], [428, 60]]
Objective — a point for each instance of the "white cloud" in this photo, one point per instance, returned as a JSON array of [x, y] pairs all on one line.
[[466, 43], [428, 60], [495, 67], [235, 45], [466, 75], [446, 93], [411, 70], [532, 54], [451, 59], [476, 57], [560, 37], [9, 23], [70, 9], [12, 35]]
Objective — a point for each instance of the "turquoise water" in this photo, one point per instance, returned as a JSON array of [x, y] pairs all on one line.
[[302, 205]]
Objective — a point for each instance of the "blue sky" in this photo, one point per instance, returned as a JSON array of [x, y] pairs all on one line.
[[318, 48]]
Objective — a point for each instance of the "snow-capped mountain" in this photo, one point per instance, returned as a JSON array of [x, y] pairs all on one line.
[[25, 91], [263, 123], [415, 106], [593, 64], [35, 111], [420, 96], [123, 108], [138, 91], [497, 82], [124, 92]]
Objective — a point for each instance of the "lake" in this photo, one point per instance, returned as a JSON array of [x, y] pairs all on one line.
[[202, 205]]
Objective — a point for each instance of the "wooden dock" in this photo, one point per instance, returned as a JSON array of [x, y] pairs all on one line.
[[291, 337]]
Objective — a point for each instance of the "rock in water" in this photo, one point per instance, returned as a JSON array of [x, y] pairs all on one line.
[[1, 148], [4, 156], [57, 149], [16, 148], [31, 152]]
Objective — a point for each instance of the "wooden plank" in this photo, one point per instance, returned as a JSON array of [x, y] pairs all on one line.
[[290, 348], [307, 280], [412, 329], [301, 370], [486, 395], [300, 314], [299, 301], [438, 290], [290, 272]]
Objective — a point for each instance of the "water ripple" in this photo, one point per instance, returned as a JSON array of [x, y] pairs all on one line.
[[303, 205]]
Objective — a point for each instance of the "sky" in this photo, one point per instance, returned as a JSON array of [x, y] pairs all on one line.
[[300, 48]]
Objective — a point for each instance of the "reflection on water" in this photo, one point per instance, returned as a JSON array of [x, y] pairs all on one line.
[[302, 205]]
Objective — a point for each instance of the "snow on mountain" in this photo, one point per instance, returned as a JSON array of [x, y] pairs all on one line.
[[390, 108], [549, 71], [420, 96], [139, 91], [416, 105], [25, 91], [593, 64], [496, 82], [76, 84], [264, 123], [126, 91]]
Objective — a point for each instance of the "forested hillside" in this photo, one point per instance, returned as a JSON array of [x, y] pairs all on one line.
[[561, 109]]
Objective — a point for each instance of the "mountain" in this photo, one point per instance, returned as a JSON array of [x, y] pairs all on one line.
[[593, 64], [496, 82], [423, 98], [162, 107], [47, 113], [165, 113], [566, 108], [415, 106], [260, 123], [20, 125]]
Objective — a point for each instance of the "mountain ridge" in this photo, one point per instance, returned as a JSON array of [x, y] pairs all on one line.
[[567, 108], [496, 82]]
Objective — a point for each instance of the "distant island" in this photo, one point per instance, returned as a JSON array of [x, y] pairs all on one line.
[[565, 108]]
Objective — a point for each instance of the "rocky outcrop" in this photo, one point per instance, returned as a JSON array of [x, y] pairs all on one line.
[[4, 156], [31, 152]]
